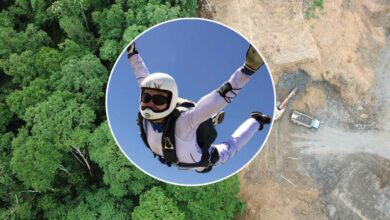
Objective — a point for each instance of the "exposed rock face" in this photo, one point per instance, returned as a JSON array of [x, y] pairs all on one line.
[[348, 38], [311, 101], [337, 45]]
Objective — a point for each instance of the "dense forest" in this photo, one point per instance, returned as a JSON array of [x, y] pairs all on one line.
[[58, 159]]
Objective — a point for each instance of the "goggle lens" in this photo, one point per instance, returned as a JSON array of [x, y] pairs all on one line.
[[157, 99]]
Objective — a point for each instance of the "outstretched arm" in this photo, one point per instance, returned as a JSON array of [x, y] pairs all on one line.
[[216, 100], [213, 102], [139, 69]]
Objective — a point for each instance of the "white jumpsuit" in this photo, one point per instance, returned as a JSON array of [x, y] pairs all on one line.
[[187, 148]]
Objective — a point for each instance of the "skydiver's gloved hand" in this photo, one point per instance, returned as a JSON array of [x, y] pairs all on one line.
[[131, 50], [261, 118], [253, 61]]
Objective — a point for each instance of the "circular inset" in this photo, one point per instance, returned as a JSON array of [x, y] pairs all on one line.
[[200, 56]]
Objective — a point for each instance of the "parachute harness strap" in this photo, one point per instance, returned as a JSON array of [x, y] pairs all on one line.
[[224, 89]]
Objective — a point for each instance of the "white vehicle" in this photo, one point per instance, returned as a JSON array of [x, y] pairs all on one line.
[[304, 120]]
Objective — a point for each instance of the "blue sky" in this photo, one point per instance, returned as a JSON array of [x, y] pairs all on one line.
[[200, 55]]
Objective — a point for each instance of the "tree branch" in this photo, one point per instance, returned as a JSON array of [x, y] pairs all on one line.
[[64, 169], [84, 159]]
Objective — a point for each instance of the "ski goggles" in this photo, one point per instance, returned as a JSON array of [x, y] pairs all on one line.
[[156, 99]]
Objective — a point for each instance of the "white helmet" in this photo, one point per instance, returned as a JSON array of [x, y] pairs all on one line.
[[163, 82]]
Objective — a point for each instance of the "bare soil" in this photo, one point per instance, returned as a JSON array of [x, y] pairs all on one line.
[[340, 62]]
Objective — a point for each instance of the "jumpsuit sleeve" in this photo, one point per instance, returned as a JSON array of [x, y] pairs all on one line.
[[139, 68], [213, 103]]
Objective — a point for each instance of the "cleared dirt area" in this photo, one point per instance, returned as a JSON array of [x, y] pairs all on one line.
[[340, 62], [340, 171]]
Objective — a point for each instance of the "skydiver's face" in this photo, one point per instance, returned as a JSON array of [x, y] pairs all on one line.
[[156, 100]]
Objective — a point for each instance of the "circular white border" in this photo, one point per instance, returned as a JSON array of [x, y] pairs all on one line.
[[199, 184]]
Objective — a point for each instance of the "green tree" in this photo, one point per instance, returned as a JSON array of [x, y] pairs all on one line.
[[147, 13], [15, 42], [33, 161], [21, 67], [23, 210], [28, 65], [135, 15], [100, 205], [154, 204], [7, 182], [70, 48], [131, 32], [6, 20], [217, 201], [76, 31], [21, 13], [157, 13], [47, 61], [19, 100], [111, 22], [52, 206], [59, 116], [84, 77], [35, 38], [75, 8], [5, 117], [11, 41], [110, 50], [188, 7], [39, 8], [73, 20], [49, 134], [15, 201], [122, 177]]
